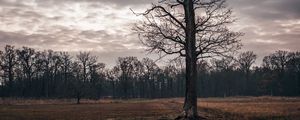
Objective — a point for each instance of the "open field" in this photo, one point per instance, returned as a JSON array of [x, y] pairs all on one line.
[[280, 108]]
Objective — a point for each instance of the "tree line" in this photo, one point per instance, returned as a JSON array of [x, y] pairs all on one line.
[[26, 72]]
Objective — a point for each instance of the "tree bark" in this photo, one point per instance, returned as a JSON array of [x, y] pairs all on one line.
[[190, 103]]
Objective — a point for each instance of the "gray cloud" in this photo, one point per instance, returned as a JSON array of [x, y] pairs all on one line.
[[103, 26], [269, 25], [98, 3], [267, 9]]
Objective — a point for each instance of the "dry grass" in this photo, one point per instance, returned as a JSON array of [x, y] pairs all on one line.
[[258, 107], [212, 108], [89, 110]]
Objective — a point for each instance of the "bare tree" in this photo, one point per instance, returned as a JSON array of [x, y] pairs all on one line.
[[224, 64], [170, 72], [27, 59], [193, 29], [66, 65], [129, 67], [77, 83], [150, 69], [246, 60], [84, 63], [86, 59], [83, 58], [8, 61], [279, 60], [113, 75]]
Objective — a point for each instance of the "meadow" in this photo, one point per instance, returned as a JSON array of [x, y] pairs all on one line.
[[233, 108]]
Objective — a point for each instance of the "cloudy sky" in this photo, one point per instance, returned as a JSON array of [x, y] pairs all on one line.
[[104, 26]]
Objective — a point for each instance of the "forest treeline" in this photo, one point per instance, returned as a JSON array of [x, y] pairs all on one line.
[[26, 72]]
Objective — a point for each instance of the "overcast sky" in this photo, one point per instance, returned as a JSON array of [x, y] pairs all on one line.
[[104, 26]]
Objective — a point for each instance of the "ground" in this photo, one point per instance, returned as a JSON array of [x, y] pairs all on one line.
[[280, 108]]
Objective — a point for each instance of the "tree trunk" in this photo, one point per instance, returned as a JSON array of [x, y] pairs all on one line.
[[78, 98], [10, 80], [190, 103]]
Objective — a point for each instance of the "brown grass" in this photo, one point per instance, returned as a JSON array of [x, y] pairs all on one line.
[[89, 110], [210, 108], [256, 107]]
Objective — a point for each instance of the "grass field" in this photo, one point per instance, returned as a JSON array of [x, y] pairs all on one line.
[[275, 108]]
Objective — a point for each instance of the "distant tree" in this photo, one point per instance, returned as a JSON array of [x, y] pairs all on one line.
[[170, 72], [129, 67], [27, 59], [83, 59], [204, 69], [150, 69], [97, 79], [223, 76], [49, 64], [85, 63], [224, 64], [51, 74], [294, 61], [180, 77], [66, 72], [1, 77], [245, 60], [112, 76], [276, 63], [77, 83], [293, 74], [278, 60], [8, 61]]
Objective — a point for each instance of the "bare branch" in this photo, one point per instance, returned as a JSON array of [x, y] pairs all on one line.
[[166, 12]]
